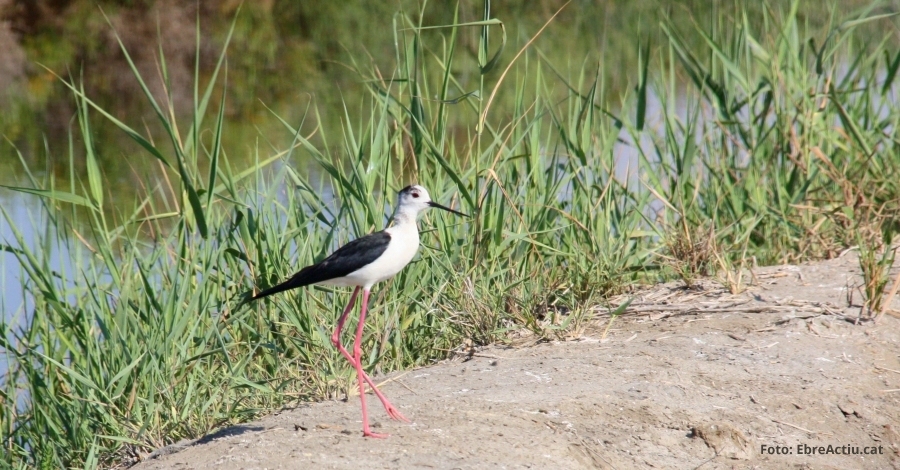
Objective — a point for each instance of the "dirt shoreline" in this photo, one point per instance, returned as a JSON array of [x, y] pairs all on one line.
[[688, 379]]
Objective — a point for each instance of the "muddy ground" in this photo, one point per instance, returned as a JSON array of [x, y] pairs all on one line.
[[684, 379]]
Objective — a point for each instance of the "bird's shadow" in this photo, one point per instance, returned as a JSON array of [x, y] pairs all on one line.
[[186, 443], [228, 432]]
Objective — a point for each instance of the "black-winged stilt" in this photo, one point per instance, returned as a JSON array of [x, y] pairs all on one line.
[[362, 263]]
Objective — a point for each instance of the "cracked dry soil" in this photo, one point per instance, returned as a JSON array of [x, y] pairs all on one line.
[[684, 379]]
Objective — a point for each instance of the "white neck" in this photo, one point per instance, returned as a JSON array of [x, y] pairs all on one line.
[[405, 216]]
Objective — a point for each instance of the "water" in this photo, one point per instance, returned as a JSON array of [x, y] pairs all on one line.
[[27, 214], [25, 211]]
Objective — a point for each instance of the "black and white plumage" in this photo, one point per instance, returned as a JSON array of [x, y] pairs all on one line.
[[372, 258], [340, 264], [362, 263]]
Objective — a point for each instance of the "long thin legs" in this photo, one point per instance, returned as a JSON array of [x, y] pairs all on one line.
[[357, 354], [356, 361]]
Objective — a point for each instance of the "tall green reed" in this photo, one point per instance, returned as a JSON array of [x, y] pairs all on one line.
[[785, 132]]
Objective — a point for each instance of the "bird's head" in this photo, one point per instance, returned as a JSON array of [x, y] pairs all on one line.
[[415, 199]]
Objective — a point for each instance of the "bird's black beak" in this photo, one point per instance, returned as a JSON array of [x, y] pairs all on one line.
[[434, 204]]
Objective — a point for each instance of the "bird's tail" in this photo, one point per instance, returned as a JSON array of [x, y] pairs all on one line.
[[291, 283], [243, 299], [249, 296]]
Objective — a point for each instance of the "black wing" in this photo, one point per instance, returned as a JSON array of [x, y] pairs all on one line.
[[345, 260]]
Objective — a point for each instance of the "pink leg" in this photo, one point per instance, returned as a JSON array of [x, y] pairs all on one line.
[[357, 356], [336, 336], [394, 413]]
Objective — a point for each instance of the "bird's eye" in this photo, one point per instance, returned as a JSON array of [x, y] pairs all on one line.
[[415, 195]]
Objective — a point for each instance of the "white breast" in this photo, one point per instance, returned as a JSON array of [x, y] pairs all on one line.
[[403, 247]]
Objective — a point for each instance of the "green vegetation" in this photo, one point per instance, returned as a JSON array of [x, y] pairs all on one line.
[[757, 141], [285, 53]]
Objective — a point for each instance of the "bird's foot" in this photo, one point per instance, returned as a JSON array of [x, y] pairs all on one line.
[[368, 433], [394, 413]]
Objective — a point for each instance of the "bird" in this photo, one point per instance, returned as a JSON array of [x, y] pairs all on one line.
[[361, 264]]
